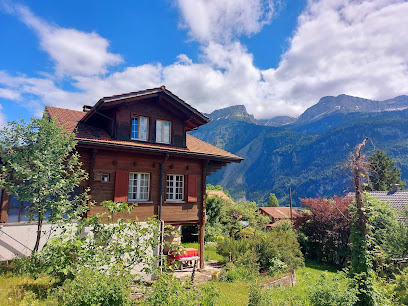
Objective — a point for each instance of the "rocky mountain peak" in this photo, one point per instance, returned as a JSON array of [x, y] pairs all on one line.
[[237, 112]]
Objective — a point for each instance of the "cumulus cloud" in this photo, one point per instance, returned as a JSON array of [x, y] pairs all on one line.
[[3, 121], [74, 52], [339, 46], [352, 47], [222, 20]]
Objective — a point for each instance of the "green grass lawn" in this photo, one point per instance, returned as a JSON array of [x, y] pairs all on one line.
[[238, 293], [210, 251], [14, 288]]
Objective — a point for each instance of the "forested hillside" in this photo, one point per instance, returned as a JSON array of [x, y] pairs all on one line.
[[310, 156]]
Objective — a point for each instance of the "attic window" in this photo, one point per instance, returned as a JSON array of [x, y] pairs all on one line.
[[139, 128], [163, 131]]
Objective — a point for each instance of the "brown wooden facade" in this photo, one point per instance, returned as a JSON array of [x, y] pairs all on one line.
[[109, 154]]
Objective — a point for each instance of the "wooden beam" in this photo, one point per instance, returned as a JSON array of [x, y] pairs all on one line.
[[202, 217]]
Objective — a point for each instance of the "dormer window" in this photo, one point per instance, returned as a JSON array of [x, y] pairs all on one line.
[[163, 131], [139, 128]]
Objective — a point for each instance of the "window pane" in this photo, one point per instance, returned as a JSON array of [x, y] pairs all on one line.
[[175, 187], [143, 128], [139, 186], [26, 211], [134, 128], [158, 131], [166, 132]]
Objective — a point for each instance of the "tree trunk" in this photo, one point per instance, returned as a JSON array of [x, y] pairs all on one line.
[[39, 228]]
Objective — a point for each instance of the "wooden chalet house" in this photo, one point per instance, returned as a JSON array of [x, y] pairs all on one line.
[[135, 148]]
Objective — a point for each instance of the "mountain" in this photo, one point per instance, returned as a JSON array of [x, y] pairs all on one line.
[[349, 104], [278, 121], [311, 154], [239, 112], [236, 112]]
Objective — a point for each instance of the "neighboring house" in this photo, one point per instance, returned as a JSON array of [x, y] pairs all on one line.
[[398, 200], [135, 148], [278, 215]]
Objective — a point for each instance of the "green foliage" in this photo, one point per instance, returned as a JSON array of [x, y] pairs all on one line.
[[26, 289], [275, 251], [330, 290], [218, 187], [109, 247], [214, 205], [361, 254], [257, 296], [401, 287], [228, 218], [279, 247], [288, 155], [234, 214], [273, 201], [91, 287], [168, 290], [383, 173], [40, 165]]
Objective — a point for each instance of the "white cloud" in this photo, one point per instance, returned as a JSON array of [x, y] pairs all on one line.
[[74, 52], [3, 120], [339, 46], [222, 20], [352, 47]]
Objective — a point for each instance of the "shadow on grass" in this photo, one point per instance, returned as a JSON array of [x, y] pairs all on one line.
[[321, 266]]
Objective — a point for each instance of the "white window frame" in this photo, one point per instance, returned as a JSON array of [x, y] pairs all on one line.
[[160, 126], [139, 128], [135, 193], [175, 193]]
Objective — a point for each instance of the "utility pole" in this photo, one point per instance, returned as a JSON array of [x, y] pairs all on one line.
[[290, 202]]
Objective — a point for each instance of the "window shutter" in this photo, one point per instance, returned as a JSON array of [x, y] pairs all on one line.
[[121, 186], [192, 188]]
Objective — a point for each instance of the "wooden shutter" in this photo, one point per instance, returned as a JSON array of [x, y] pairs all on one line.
[[192, 188], [121, 186]]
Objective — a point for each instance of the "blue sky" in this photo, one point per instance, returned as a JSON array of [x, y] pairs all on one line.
[[275, 57]]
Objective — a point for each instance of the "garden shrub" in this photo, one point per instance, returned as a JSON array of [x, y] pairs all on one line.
[[168, 290], [276, 251], [259, 297], [279, 244], [333, 290], [401, 287], [91, 287]]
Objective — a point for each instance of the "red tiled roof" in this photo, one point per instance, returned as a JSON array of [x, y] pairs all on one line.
[[279, 212], [89, 134]]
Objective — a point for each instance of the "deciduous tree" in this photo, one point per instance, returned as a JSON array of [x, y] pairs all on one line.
[[39, 165], [273, 201]]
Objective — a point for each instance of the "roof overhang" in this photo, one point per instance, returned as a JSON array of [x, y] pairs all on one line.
[[195, 118], [225, 159]]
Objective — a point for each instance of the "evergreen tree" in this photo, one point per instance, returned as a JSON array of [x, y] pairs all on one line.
[[273, 201], [383, 173]]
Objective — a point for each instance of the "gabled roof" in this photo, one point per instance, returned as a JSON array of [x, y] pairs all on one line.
[[87, 134], [279, 212], [195, 120], [398, 199]]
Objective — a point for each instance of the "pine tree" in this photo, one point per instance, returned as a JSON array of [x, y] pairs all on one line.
[[383, 173]]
